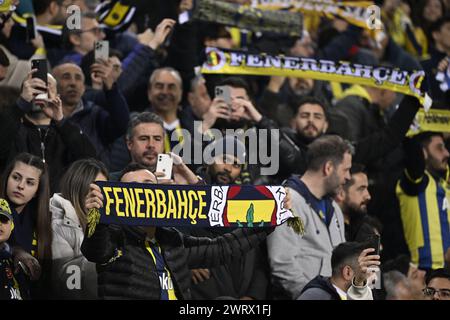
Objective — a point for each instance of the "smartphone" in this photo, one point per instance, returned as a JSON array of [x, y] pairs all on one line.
[[164, 165], [168, 40], [374, 242], [102, 50], [31, 28], [41, 73], [224, 92]]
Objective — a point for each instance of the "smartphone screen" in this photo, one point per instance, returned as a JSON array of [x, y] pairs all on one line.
[[374, 242], [31, 28], [41, 73]]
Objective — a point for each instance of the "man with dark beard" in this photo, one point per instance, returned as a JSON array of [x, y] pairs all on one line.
[[423, 195], [353, 200], [245, 277], [40, 128], [294, 259]]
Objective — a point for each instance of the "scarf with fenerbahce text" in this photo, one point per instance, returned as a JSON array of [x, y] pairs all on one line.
[[137, 204]]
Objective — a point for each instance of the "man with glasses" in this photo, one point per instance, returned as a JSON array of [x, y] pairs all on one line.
[[438, 285], [78, 42]]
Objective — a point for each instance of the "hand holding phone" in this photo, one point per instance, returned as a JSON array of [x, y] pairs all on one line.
[[31, 28], [101, 50], [224, 93], [374, 242], [41, 73], [164, 165]]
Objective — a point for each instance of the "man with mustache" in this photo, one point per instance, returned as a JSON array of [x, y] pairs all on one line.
[[423, 195], [294, 259], [145, 140], [353, 199]]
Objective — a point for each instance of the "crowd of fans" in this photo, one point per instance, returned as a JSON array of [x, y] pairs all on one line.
[[353, 174]]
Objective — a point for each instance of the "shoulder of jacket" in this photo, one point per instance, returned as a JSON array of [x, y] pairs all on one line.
[[63, 212]]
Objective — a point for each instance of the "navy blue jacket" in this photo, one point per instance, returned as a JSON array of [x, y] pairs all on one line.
[[103, 124]]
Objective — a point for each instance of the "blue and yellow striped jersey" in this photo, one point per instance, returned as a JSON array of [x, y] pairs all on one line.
[[425, 214], [176, 130], [164, 275]]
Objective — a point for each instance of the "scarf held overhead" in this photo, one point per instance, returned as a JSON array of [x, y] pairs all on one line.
[[245, 17], [189, 205], [355, 12], [236, 62]]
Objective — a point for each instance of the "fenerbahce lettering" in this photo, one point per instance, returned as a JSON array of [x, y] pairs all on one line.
[[237, 62], [190, 205]]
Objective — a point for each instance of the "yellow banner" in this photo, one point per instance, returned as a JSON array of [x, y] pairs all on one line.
[[237, 62], [354, 12], [434, 120]]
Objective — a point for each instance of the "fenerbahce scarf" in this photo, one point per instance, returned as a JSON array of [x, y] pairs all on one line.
[[236, 62], [358, 13], [203, 206], [245, 17]]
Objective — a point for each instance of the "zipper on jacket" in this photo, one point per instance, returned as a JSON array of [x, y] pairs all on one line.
[[43, 143]]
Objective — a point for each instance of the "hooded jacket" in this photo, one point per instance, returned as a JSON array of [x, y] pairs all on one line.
[[66, 253], [294, 259]]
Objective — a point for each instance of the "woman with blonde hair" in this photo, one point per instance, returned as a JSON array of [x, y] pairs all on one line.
[[68, 224]]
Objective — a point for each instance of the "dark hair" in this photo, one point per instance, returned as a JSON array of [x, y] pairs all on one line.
[[40, 6], [326, 148], [67, 32], [344, 254], [400, 263], [424, 138], [438, 273], [143, 117], [437, 25], [374, 222], [213, 31], [75, 184], [418, 11], [4, 61], [300, 101], [40, 202], [237, 82], [131, 167], [355, 169]]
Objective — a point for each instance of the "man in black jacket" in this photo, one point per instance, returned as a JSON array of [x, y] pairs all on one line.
[[153, 263], [39, 128], [246, 277]]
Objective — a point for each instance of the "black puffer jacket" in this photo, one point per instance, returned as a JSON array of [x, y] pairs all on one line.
[[133, 275]]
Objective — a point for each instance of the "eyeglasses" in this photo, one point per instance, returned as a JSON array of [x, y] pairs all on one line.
[[95, 30], [442, 293]]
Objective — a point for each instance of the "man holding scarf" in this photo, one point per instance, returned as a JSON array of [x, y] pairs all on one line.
[[153, 263]]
